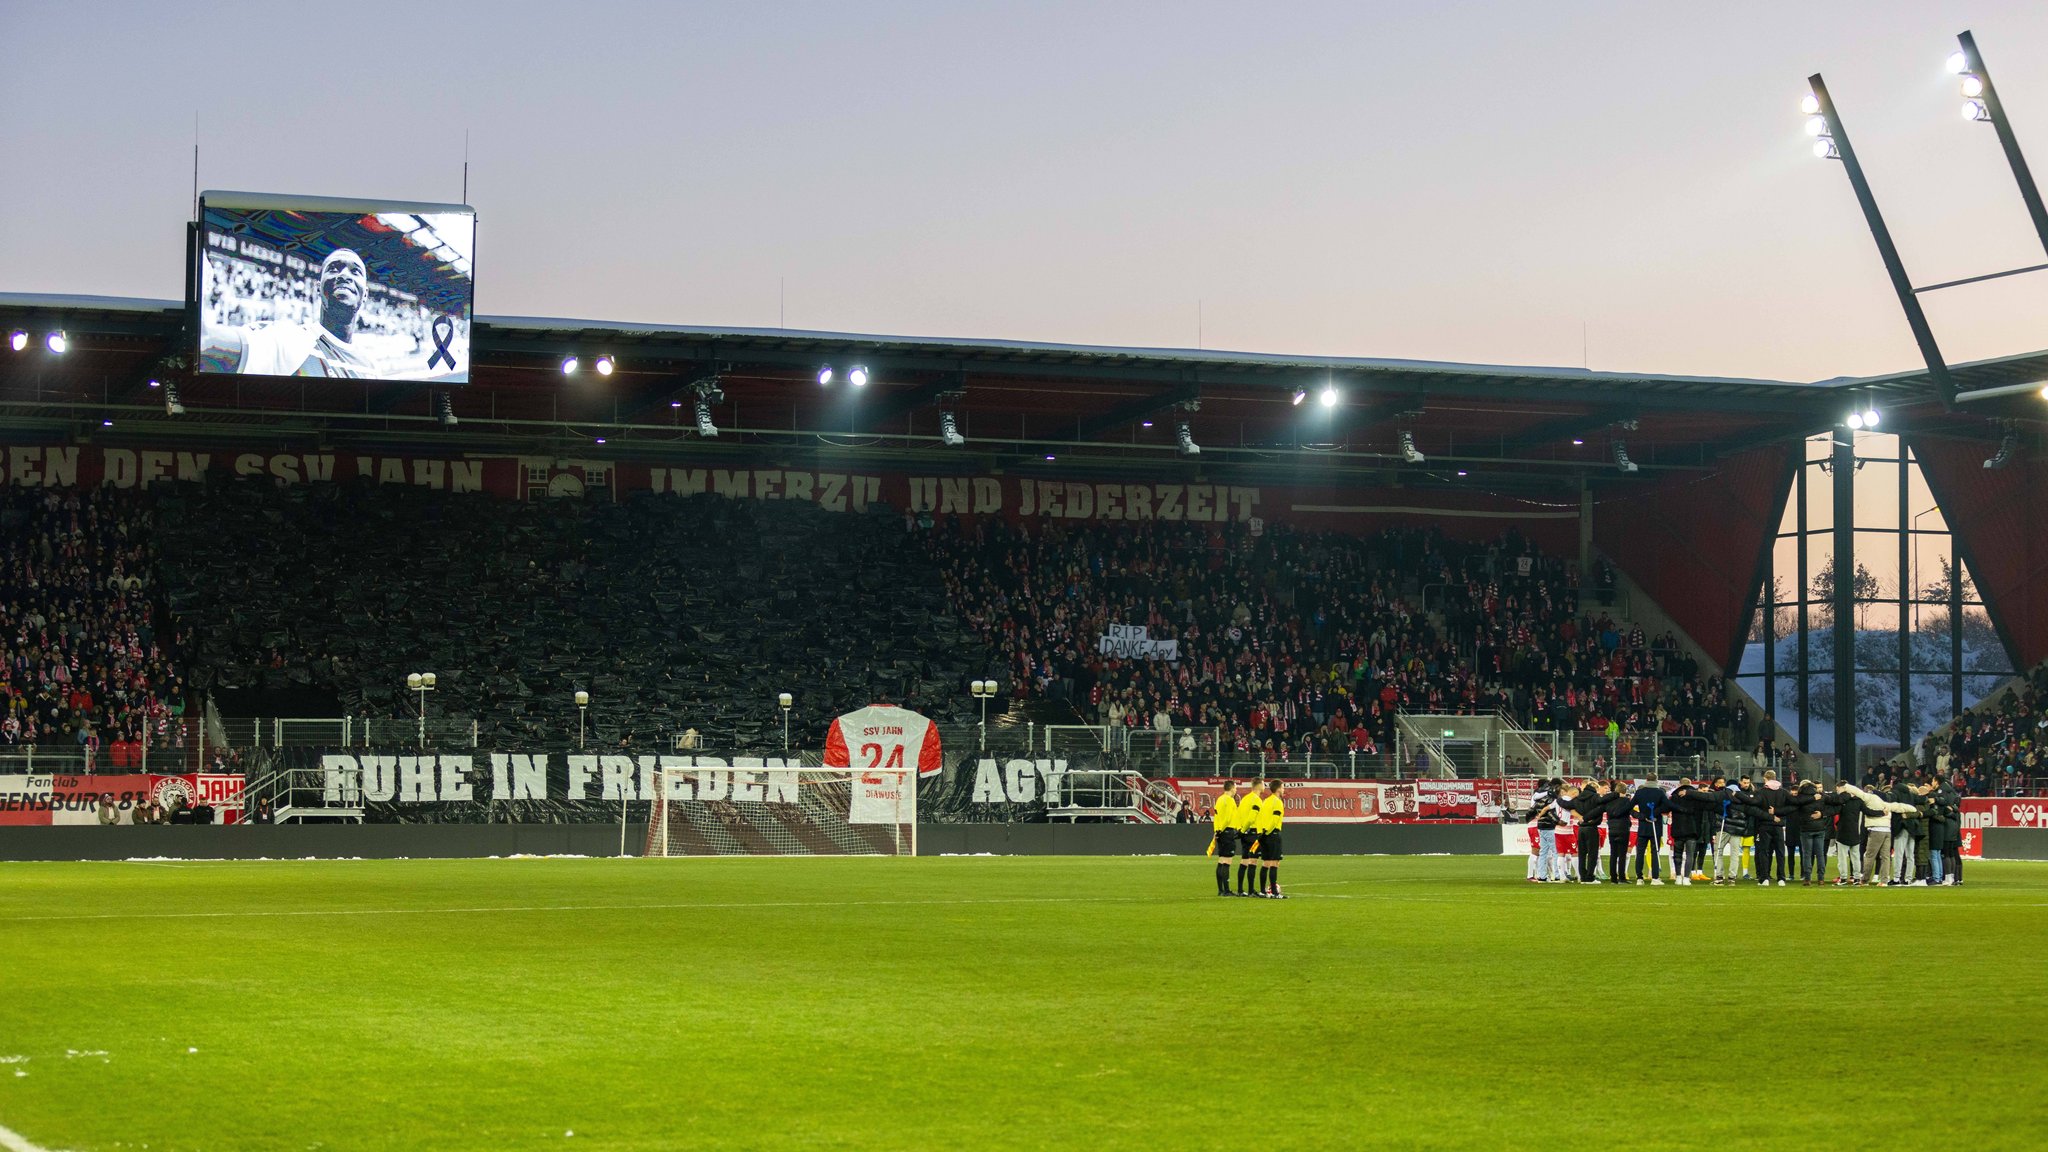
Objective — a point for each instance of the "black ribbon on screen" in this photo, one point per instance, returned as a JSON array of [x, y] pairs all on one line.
[[444, 331]]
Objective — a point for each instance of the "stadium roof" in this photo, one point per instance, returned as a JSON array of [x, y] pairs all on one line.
[[1017, 401]]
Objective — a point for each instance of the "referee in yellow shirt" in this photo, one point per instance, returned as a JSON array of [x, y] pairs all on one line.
[[1273, 813], [1223, 822], [1250, 811]]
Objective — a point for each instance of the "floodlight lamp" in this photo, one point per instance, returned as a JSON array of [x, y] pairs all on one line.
[[18, 340], [1973, 85], [949, 430], [825, 375], [858, 376], [1809, 104], [445, 412], [2006, 447], [1188, 447], [569, 365], [1409, 452], [1854, 421], [1824, 149], [2044, 391], [427, 678], [784, 700], [1957, 62], [1816, 125], [413, 681], [1870, 417], [1621, 460], [1328, 399], [582, 698], [56, 343], [1975, 110], [1300, 394], [604, 365]]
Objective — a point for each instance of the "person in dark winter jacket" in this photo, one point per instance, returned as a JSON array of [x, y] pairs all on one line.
[[1810, 823], [1770, 829], [1689, 804], [1951, 806], [1738, 822], [1590, 807], [1651, 805], [1620, 806], [1847, 813]]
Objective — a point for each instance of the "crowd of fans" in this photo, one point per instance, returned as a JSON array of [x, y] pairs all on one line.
[[84, 663], [1298, 642], [1997, 751]]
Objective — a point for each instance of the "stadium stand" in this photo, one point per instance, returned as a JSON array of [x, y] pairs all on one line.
[[1302, 641], [1995, 748], [673, 613], [88, 665]]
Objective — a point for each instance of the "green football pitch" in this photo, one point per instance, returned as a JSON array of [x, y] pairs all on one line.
[[976, 1003]]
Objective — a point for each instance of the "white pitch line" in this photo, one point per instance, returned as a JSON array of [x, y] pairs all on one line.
[[15, 1142], [573, 908]]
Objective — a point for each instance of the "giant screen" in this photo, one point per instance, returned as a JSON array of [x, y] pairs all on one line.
[[306, 286]]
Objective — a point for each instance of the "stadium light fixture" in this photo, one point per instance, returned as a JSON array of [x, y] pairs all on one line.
[[106, 423], [1621, 460], [1824, 147], [1300, 394], [172, 405], [857, 376], [1050, 456], [570, 364], [421, 683], [582, 711], [1144, 424], [1973, 86], [1957, 62], [445, 412], [1188, 447], [949, 429], [1329, 396], [18, 340], [604, 365], [1870, 417], [1461, 472], [1854, 421], [783, 700], [1975, 110], [983, 691], [156, 383], [826, 375], [1578, 442], [599, 440], [56, 342], [1409, 452]]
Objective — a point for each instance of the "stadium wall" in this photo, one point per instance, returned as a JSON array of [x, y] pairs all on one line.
[[456, 841], [1696, 543], [2000, 520]]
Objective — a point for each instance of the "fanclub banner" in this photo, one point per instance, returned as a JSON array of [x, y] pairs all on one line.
[[553, 787], [58, 800]]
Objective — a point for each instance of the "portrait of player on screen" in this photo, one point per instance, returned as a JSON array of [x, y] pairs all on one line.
[[325, 348]]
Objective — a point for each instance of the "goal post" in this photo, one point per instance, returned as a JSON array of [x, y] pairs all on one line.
[[783, 812]]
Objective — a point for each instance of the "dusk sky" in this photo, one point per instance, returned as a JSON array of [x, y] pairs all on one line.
[[1476, 182]]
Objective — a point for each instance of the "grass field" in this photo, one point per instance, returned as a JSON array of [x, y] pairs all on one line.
[[1007, 1003]]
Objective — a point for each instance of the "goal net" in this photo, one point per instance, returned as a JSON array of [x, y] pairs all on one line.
[[783, 812]]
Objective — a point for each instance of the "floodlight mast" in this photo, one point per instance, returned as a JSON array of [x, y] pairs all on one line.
[[1916, 318], [1974, 64]]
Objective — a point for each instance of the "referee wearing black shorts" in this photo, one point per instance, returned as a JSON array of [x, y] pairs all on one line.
[[1275, 807], [1223, 822]]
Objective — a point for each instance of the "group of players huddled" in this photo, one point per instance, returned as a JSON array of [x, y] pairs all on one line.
[[1910, 834], [1247, 829]]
